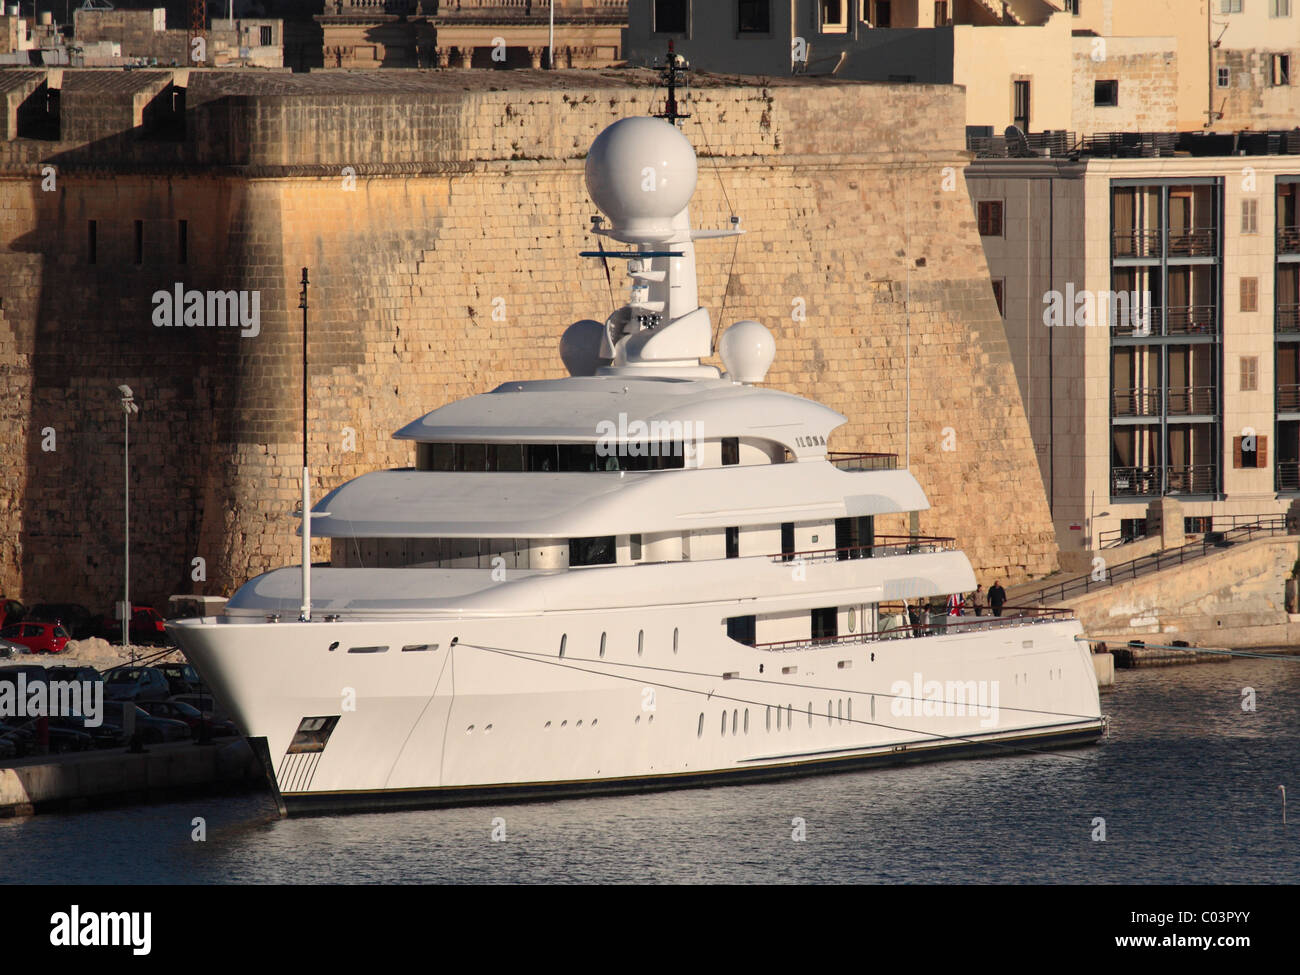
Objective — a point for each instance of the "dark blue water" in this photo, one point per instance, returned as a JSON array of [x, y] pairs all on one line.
[[1187, 785]]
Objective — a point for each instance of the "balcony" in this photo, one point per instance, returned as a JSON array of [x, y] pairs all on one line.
[[1143, 482], [1192, 400], [1135, 243], [1288, 398], [1287, 476], [1193, 242], [1135, 402], [1288, 240], [1191, 320], [1286, 320]]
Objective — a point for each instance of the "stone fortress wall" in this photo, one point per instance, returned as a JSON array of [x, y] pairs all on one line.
[[423, 203]]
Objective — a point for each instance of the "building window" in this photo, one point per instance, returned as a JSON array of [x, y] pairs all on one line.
[[92, 242], [787, 540], [834, 16], [1105, 94], [1020, 104], [733, 543], [730, 451], [1249, 373], [1250, 216], [1281, 74], [1279, 8], [592, 551], [1224, 77], [1229, 6], [1072, 7], [824, 623], [183, 242], [265, 36], [670, 16], [1249, 452], [990, 218], [754, 16], [942, 16], [139, 241], [1250, 294], [997, 295], [741, 629]]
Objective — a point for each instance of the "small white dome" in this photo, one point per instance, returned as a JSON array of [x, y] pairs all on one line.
[[747, 350], [641, 173], [580, 347]]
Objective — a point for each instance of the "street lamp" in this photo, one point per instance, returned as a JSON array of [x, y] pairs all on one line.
[[128, 407]]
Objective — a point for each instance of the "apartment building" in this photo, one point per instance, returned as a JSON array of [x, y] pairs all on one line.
[[1151, 307]]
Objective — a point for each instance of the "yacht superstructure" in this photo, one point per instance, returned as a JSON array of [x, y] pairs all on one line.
[[648, 574]]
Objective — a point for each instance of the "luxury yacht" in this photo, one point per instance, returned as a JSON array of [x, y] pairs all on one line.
[[648, 574]]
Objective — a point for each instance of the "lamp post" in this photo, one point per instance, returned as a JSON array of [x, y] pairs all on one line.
[[128, 407]]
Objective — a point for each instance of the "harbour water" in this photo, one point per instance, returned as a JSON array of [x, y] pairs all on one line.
[[1187, 786]]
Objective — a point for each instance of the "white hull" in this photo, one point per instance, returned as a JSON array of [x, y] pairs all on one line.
[[464, 722]]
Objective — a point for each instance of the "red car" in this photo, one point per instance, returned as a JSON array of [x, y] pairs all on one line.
[[146, 627], [37, 637]]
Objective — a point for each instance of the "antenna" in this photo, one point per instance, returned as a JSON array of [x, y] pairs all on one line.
[[673, 74], [304, 615]]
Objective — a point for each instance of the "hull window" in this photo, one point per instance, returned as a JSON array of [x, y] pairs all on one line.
[[312, 734], [699, 731], [733, 543], [787, 541], [564, 640], [640, 642], [602, 644], [741, 629], [674, 639], [592, 551], [824, 623]]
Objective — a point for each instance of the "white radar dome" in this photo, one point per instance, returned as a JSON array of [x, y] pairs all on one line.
[[641, 173], [747, 350], [580, 347]]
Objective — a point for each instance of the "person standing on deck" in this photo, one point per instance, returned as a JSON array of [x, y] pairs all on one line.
[[997, 597], [977, 600]]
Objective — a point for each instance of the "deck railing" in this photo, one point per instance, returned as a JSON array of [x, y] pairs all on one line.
[[938, 626], [862, 461], [881, 546]]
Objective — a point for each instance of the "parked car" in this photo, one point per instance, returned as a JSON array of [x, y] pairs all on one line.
[[146, 627], [65, 739], [104, 735], [20, 738], [180, 711], [136, 684], [76, 619], [182, 678], [11, 612], [203, 703], [37, 637], [34, 672], [83, 673], [9, 649], [151, 730]]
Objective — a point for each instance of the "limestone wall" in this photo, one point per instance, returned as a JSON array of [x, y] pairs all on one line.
[[1232, 599], [851, 196], [1146, 70]]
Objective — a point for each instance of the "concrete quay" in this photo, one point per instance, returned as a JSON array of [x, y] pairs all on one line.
[[88, 779]]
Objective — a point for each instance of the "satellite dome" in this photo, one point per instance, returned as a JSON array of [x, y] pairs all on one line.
[[641, 173], [580, 347], [747, 350]]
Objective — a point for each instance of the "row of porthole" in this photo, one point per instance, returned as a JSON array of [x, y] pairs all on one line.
[[838, 714], [640, 642], [576, 724]]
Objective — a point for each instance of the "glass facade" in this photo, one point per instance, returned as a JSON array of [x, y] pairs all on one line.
[[1165, 319]]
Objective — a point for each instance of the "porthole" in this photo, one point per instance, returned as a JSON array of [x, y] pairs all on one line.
[[564, 640], [699, 732], [828, 707], [873, 707], [850, 709], [637, 719], [593, 721], [723, 731], [334, 646], [828, 711], [778, 717], [564, 724], [469, 730], [735, 715], [769, 717], [650, 719], [579, 723], [547, 725], [640, 642], [746, 720], [487, 730], [674, 639], [839, 710], [602, 644]]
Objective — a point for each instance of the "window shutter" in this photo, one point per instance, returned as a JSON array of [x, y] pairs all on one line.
[[1261, 448], [1236, 453]]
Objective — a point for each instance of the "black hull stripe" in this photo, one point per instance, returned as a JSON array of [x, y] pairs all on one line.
[[327, 803]]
